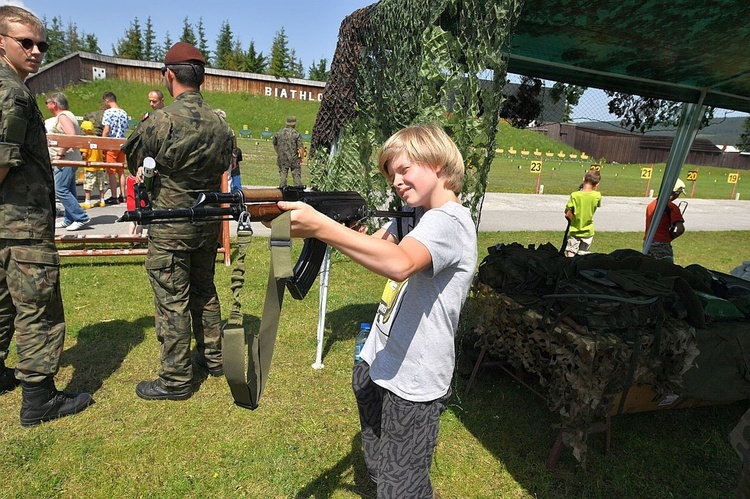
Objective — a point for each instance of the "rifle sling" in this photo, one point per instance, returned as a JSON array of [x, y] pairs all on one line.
[[247, 389]]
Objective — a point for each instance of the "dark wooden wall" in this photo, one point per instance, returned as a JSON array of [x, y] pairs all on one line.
[[633, 148], [79, 67]]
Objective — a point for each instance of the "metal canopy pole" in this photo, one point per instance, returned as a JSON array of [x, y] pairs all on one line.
[[323, 297], [687, 129]]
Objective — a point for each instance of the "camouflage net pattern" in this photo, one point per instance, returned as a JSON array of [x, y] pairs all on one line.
[[402, 62], [581, 367]]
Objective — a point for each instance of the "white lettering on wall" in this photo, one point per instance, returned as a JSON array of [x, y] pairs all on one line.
[[284, 93]]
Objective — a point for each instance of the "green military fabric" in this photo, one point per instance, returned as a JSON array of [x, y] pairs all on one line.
[[191, 146], [30, 300], [247, 388], [184, 293], [96, 118], [288, 142], [27, 196]]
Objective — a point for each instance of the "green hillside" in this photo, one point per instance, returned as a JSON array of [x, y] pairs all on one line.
[[510, 171], [257, 112]]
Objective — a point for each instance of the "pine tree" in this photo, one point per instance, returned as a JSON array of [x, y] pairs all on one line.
[[90, 44], [224, 45], [188, 35], [296, 69], [202, 42], [165, 47], [318, 72], [149, 42], [256, 62], [131, 46], [56, 40], [72, 40], [280, 61]]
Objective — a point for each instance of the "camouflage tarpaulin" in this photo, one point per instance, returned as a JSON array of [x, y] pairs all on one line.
[[523, 311], [400, 62]]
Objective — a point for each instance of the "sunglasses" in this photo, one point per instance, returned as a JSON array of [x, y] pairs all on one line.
[[28, 43], [164, 68]]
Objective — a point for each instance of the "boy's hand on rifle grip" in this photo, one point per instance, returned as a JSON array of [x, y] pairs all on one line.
[[306, 220]]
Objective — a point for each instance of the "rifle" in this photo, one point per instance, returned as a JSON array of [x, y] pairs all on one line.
[[247, 380], [259, 205]]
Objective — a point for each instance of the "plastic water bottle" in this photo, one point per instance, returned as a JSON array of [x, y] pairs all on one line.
[[149, 167], [359, 342]]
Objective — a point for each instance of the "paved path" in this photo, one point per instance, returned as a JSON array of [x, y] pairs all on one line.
[[527, 212]]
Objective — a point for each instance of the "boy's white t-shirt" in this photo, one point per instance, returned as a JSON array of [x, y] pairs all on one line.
[[411, 349]]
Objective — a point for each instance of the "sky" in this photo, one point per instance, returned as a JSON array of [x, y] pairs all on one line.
[[311, 27]]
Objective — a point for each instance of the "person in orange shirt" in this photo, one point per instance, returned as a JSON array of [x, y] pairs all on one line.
[[671, 226]]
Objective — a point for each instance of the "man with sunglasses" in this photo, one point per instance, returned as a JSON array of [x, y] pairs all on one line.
[[30, 300], [192, 147]]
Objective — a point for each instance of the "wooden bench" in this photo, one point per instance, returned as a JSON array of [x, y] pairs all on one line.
[[83, 239], [109, 144], [86, 142]]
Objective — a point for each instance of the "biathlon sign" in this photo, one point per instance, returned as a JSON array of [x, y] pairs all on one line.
[[646, 173], [692, 175], [732, 178], [536, 167]]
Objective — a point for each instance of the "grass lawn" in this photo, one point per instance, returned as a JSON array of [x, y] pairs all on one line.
[[303, 441]]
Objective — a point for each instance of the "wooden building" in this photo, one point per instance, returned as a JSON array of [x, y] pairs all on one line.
[[81, 67], [625, 147]]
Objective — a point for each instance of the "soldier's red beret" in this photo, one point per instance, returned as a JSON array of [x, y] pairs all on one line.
[[183, 52]]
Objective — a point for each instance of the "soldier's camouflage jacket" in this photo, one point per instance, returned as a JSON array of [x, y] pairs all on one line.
[[192, 147], [27, 195], [289, 141]]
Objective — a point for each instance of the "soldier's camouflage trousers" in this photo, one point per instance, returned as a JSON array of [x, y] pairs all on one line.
[[284, 173], [184, 293], [31, 307]]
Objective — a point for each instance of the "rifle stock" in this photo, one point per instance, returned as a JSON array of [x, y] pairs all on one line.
[[259, 205]]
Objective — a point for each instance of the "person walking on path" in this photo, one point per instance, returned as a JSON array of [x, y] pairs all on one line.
[[192, 147], [65, 122], [579, 211], [31, 306], [287, 143]]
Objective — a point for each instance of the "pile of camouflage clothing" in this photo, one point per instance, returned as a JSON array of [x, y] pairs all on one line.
[[588, 328]]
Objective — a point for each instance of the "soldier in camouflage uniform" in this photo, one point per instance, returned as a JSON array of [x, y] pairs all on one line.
[[192, 147], [30, 300], [287, 143]]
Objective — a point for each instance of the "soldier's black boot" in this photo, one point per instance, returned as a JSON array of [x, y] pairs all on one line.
[[8, 379], [155, 390], [43, 402]]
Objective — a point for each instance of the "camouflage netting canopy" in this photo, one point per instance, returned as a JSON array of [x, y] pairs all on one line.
[[401, 62], [590, 327]]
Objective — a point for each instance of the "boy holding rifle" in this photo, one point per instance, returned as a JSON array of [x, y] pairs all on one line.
[[404, 381]]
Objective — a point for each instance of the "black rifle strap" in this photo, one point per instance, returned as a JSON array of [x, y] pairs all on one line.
[[247, 389]]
